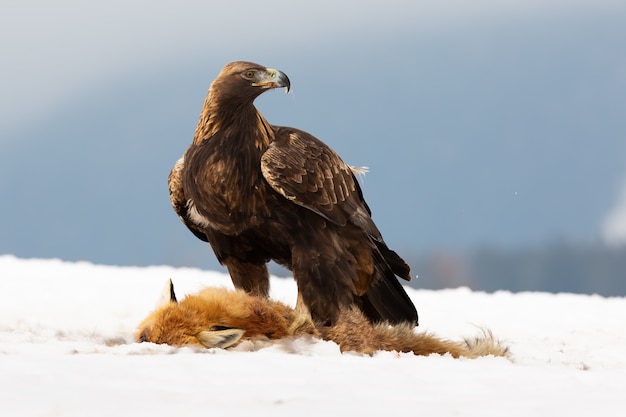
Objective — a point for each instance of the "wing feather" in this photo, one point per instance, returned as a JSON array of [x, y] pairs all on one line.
[[309, 173], [178, 199]]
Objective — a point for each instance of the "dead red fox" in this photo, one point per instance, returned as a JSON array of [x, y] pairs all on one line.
[[222, 318]]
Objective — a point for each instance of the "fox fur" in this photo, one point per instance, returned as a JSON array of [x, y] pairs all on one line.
[[222, 318]]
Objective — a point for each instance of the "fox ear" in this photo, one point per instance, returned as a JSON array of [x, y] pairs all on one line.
[[170, 289], [167, 295], [220, 338]]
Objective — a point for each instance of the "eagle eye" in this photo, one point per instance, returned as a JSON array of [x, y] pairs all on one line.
[[249, 74]]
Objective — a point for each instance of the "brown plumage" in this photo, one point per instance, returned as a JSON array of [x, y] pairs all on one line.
[[220, 318], [258, 192]]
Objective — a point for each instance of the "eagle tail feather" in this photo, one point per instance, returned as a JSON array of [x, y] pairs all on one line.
[[396, 263], [386, 299]]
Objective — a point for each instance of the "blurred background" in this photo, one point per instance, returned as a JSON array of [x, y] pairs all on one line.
[[495, 132]]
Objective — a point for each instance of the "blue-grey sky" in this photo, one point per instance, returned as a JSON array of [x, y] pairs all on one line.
[[53, 51], [483, 122]]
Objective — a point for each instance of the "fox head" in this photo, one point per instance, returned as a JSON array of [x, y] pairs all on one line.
[[219, 318], [188, 323]]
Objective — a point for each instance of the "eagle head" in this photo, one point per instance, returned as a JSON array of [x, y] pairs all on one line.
[[247, 80]]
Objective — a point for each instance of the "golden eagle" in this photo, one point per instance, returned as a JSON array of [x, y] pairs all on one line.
[[258, 192]]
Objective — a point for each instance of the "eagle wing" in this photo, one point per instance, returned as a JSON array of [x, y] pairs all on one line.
[[309, 173], [178, 200]]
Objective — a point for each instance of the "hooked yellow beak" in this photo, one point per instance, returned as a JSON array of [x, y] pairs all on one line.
[[274, 79]]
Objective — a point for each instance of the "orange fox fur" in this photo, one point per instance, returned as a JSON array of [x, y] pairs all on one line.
[[217, 317]]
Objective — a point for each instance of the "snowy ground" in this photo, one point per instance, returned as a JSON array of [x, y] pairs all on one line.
[[66, 349]]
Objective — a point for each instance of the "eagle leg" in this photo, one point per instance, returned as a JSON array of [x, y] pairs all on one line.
[[301, 307], [252, 278], [324, 286]]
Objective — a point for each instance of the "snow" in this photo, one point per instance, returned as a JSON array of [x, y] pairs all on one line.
[[66, 349]]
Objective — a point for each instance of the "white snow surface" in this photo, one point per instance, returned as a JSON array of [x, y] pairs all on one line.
[[67, 349]]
